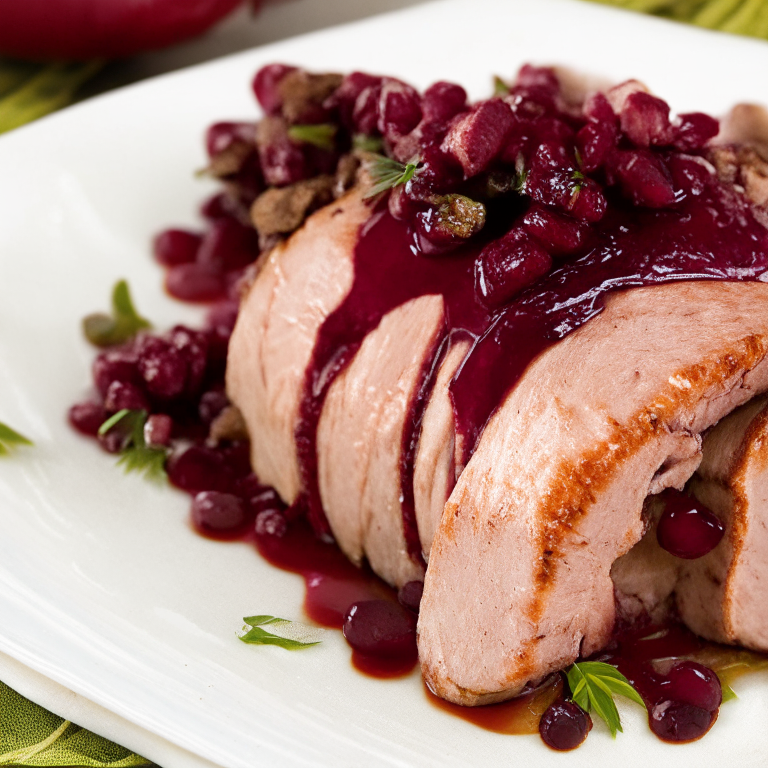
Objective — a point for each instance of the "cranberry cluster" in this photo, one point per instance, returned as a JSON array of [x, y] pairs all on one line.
[[546, 169], [177, 380]]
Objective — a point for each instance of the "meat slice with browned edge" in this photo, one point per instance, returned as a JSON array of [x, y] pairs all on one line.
[[519, 579], [301, 282]]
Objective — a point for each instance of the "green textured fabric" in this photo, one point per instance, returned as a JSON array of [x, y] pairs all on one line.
[[741, 17], [30, 735]]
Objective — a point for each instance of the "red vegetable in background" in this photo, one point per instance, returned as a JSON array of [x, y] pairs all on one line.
[[88, 29]]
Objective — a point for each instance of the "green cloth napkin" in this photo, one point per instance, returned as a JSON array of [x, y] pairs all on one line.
[[30, 735]]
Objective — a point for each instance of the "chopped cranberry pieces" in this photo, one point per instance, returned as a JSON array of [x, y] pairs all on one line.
[[687, 528], [508, 266], [564, 725], [211, 405], [559, 233], [442, 101], [645, 120], [221, 136], [594, 142], [346, 97], [176, 246], [163, 369], [365, 115], [266, 86], [115, 365], [694, 130], [283, 162], [476, 138], [399, 109], [643, 178]]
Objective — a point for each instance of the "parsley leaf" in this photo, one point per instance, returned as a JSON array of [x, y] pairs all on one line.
[[136, 455], [10, 439], [290, 635], [123, 324], [593, 685], [320, 135], [388, 173]]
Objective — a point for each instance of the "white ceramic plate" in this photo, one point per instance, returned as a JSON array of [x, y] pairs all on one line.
[[103, 586]]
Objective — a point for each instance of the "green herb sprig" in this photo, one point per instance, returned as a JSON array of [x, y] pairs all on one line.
[[290, 635], [123, 324], [136, 455], [320, 135], [387, 173], [593, 685], [10, 439]]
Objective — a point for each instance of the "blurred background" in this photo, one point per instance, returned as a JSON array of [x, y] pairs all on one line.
[[54, 53]]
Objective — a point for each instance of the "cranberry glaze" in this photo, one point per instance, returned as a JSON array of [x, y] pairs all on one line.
[[524, 212]]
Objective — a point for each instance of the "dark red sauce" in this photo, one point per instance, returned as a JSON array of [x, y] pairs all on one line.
[[333, 585], [390, 269], [518, 716], [710, 236]]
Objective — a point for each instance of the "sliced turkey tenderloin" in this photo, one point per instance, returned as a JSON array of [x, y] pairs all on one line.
[[518, 583], [301, 282]]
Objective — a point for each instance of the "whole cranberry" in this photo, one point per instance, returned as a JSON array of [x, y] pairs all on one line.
[[87, 417], [271, 522], [122, 394], [162, 368], [380, 628], [676, 721], [158, 430], [176, 246], [687, 528], [692, 683], [200, 469], [217, 513], [115, 365], [564, 725]]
